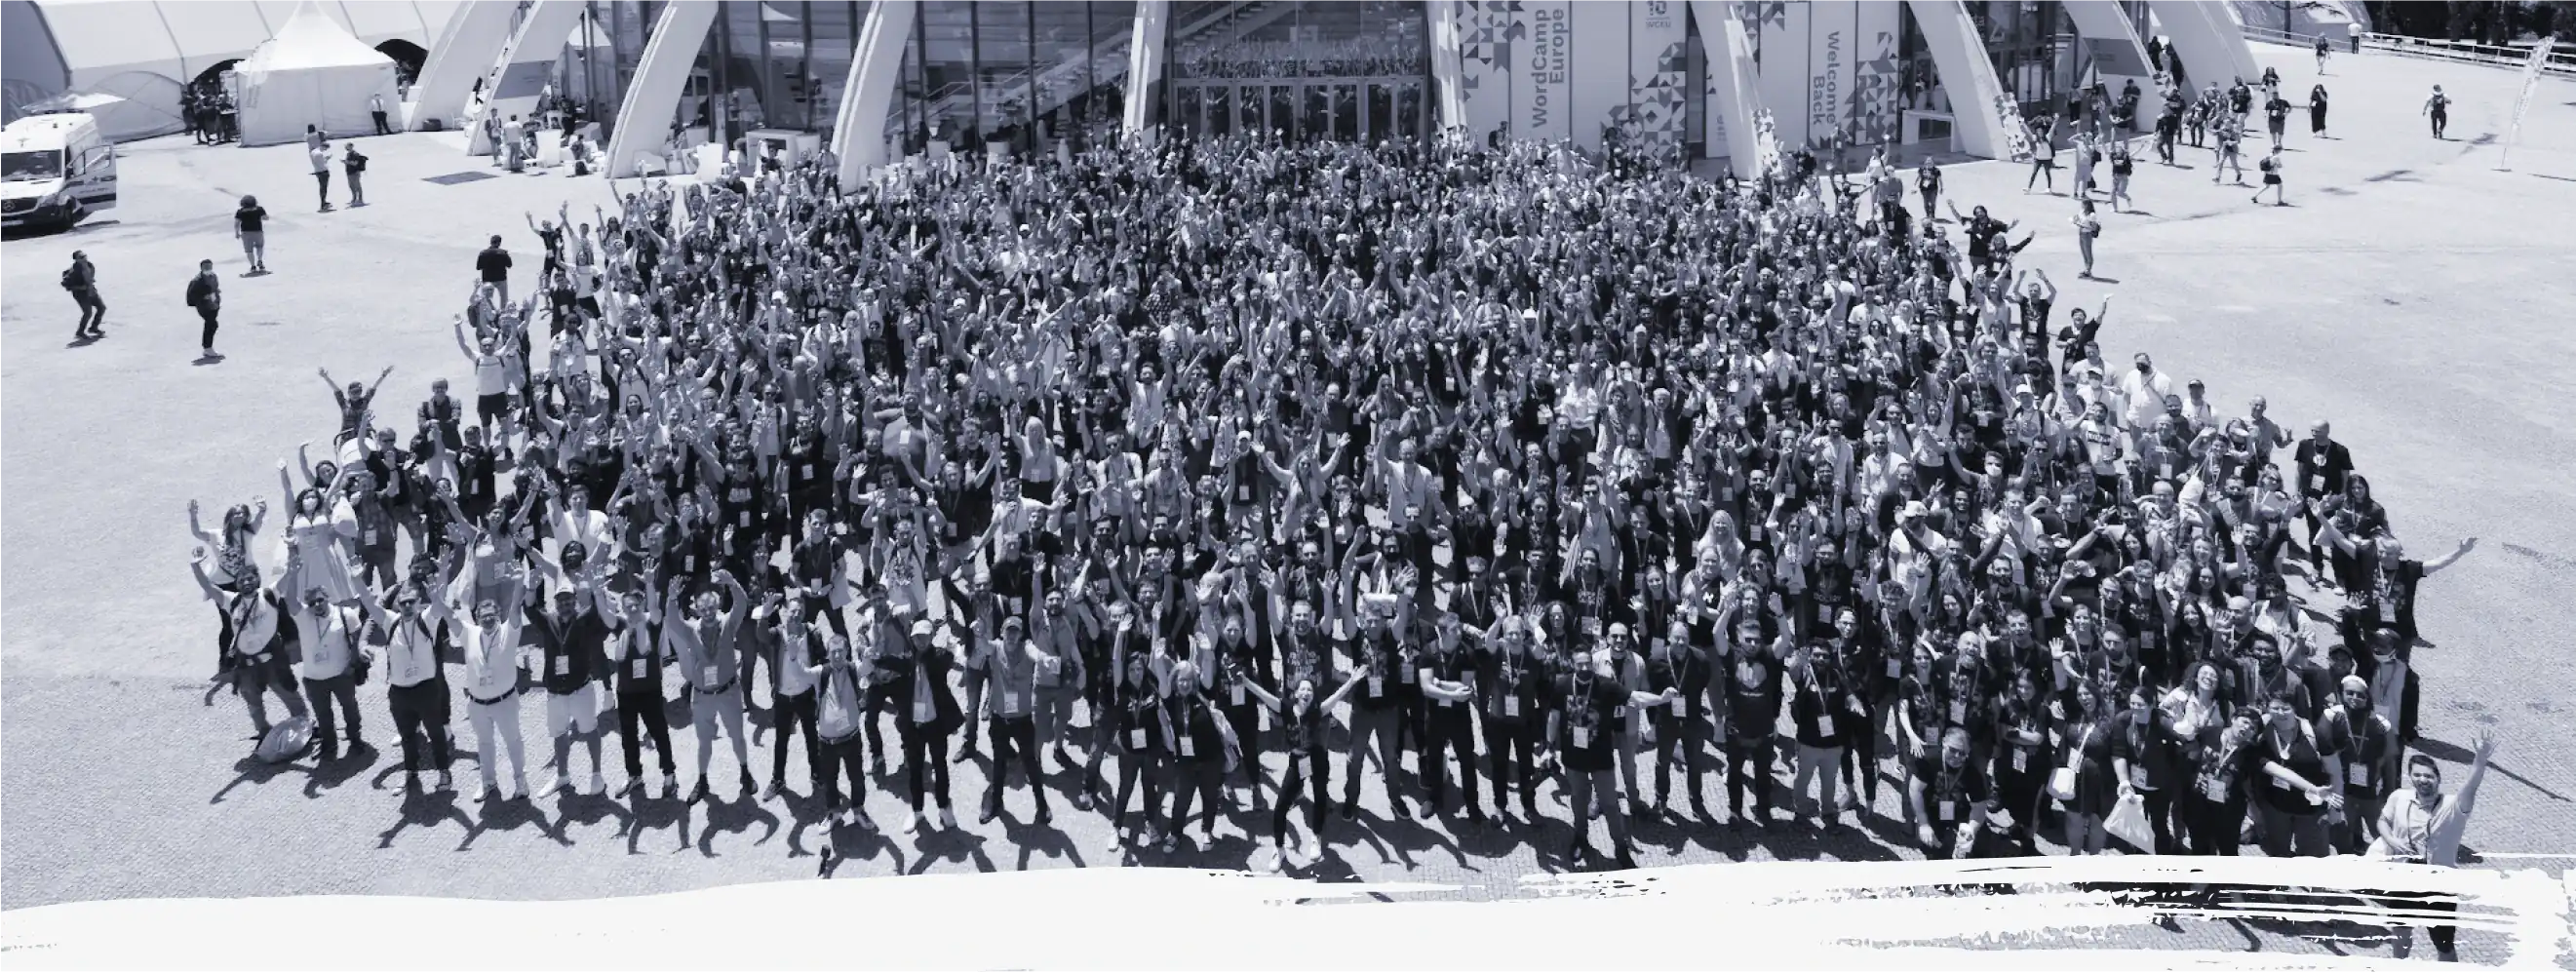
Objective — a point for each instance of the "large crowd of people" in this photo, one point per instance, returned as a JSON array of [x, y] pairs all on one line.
[[1228, 475]]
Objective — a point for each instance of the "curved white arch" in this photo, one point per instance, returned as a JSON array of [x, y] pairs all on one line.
[[876, 69], [644, 118]]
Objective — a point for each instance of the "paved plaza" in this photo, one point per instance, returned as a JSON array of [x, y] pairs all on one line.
[[2418, 297]]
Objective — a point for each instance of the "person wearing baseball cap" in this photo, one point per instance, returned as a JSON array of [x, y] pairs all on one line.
[[1010, 667]]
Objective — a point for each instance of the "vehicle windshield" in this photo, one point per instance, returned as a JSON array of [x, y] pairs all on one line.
[[31, 166]]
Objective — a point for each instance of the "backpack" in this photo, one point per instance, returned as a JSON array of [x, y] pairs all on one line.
[[71, 277]]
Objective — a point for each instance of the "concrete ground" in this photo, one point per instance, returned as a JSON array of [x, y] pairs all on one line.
[[2412, 293]]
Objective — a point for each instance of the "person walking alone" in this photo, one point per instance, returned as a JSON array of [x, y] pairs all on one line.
[[2087, 228], [2043, 157], [248, 224], [206, 294], [2123, 165], [355, 165], [81, 278], [2317, 111], [376, 107], [2271, 166], [2439, 108]]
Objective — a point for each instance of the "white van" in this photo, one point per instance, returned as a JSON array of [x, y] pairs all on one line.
[[54, 170]]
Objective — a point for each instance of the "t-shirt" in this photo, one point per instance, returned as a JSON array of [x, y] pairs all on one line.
[[250, 218]]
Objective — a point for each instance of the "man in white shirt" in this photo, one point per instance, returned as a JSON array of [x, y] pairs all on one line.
[[330, 671], [416, 684], [2143, 390], [493, 661]]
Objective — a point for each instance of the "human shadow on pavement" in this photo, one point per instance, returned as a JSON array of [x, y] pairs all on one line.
[[424, 811], [2450, 753], [495, 813], [948, 845], [252, 771], [718, 816], [648, 810], [849, 843], [587, 809], [330, 773], [1033, 840]]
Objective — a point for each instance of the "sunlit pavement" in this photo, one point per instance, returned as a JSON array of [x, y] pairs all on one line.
[[2411, 293]]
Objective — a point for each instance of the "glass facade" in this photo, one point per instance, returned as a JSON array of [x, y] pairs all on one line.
[[1025, 75]]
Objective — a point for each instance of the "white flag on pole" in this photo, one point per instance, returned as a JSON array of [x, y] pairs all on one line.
[[2522, 102]]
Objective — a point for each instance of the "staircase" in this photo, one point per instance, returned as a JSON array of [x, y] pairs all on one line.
[[1060, 83]]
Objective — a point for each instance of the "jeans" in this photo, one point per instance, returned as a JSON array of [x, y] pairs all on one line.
[[1748, 767], [207, 341], [1512, 744], [1194, 777], [1820, 762], [1367, 725], [2289, 834], [1137, 769], [93, 310], [794, 713], [1449, 730], [1581, 787], [1318, 780], [420, 720], [925, 754], [342, 688], [1015, 740], [322, 187], [837, 757], [644, 708]]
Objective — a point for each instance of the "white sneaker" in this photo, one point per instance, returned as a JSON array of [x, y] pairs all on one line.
[[563, 785], [598, 784]]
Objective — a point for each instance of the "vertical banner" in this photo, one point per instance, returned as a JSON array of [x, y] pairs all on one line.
[[1828, 69], [1712, 39], [1875, 104], [2522, 102], [1657, 112], [1541, 51], [1784, 70], [1486, 54], [1598, 70]]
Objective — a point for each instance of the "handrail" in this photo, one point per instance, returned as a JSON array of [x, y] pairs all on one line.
[[2562, 62]]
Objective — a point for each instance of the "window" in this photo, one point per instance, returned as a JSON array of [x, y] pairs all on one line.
[[31, 166]]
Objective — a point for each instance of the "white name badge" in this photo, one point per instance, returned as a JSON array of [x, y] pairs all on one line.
[[2317, 483], [1406, 674], [1958, 713], [1377, 686], [689, 564], [1011, 701], [2388, 612], [642, 668], [563, 664], [1949, 810], [746, 518], [370, 538], [1582, 738], [1189, 747], [1511, 706], [1895, 669], [1135, 739], [1677, 703], [2021, 760], [2214, 789], [1824, 614], [1757, 532], [2359, 774], [711, 674], [1825, 725], [1238, 693], [922, 712], [809, 471]]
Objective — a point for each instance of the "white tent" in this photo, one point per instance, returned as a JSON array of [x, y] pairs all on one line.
[[312, 72], [120, 118]]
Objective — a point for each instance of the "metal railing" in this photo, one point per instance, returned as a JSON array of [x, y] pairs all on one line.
[[2561, 63]]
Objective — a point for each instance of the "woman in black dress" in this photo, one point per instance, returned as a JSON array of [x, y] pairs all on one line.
[[2317, 111]]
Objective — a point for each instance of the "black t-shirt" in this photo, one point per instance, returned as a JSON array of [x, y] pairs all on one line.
[[1949, 793], [494, 263], [1592, 711], [250, 218]]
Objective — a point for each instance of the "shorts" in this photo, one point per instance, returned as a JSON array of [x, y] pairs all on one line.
[[577, 711], [706, 708], [2271, 179], [255, 238], [493, 407]]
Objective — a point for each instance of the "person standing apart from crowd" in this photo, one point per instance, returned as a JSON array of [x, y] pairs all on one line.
[[2425, 827], [2276, 117], [2085, 154], [81, 278], [320, 152], [2123, 165], [376, 107], [2087, 227], [355, 165], [2439, 108], [1927, 180], [513, 137], [2322, 48], [2043, 156], [494, 266], [2271, 166], [249, 226], [2317, 111], [206, 294]]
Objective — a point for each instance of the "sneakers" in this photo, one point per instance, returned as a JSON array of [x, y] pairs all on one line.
[[770, 792], [446, 781], [1045, 816], [947, 818], [914, 823], [598, 784], [563, 786], [700, 792]]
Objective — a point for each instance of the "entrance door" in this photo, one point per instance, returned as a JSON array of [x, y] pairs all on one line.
[[1306, 109]]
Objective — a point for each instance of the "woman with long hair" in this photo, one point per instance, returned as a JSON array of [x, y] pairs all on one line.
[[315, 527], [1302, 720], [2086, 748]]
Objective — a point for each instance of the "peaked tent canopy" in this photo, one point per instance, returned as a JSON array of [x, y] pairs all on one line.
[[312, 72]]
